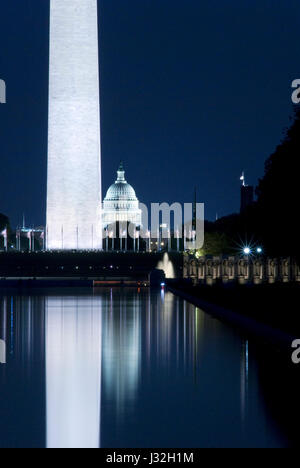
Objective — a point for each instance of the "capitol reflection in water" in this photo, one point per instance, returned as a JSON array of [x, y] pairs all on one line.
[[124, 367]]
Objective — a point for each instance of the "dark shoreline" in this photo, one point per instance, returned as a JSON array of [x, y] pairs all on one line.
[[210, 300]]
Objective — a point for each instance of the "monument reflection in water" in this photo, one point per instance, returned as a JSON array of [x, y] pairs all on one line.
[[73, 371], [126, 368]]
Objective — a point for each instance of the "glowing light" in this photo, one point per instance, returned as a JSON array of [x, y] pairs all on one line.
[[199, 253], [247, 251], [259, 250], [167, 266], [74, 165], [73, 371], [2, 352]]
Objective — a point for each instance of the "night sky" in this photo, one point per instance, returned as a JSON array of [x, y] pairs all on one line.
[[192, 93]]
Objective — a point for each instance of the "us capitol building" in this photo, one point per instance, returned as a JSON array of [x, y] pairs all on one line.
[[121, 203]]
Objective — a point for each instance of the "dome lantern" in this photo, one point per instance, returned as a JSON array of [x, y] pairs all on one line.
[[121, 173]]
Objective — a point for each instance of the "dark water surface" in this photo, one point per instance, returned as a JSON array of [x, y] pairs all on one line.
[[128, 368]]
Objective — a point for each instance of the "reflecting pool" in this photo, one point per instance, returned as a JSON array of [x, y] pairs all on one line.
[[129, 368]]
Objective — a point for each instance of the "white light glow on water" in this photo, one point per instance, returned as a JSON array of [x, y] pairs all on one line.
[[73, 372]]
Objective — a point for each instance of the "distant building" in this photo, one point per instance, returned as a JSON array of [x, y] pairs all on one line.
[[121, 203], [247, 194], [31, 239]]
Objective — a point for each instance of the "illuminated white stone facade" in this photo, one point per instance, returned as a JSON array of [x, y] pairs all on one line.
[[121, 203], [74, 161]]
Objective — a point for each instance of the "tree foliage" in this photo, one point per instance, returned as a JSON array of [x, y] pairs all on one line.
[[278, 195], [273, 220], [4, 222]]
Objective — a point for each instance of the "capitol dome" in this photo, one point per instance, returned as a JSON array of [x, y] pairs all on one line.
[[121, 190], [121, 203]]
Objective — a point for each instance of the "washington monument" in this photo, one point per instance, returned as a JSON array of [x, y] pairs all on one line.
[[74, 152]]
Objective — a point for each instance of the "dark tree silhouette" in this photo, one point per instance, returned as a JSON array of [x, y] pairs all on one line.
[[273, 220], [4, 222], [278, 196]]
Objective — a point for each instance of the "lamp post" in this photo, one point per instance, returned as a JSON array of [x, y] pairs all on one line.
[[29, 238], [126, 241], [158, 240], [178, 240], [194, 239], [43, 239], [134, 239], [112, 241], [107, 240]]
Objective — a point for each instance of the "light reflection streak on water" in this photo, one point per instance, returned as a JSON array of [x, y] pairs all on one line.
[[121, 352], [244, 381], [122, 342], [3, 328], [73, 372]]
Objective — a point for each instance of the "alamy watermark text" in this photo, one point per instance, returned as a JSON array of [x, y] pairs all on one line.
[[296, 93]]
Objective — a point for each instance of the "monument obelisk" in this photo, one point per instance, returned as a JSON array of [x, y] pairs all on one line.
[[74, 150]]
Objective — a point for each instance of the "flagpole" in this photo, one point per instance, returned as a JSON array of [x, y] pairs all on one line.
[[126, 239], [134, 239], [5, 239]]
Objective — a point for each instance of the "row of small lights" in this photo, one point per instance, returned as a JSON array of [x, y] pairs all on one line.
[[90, 268]]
